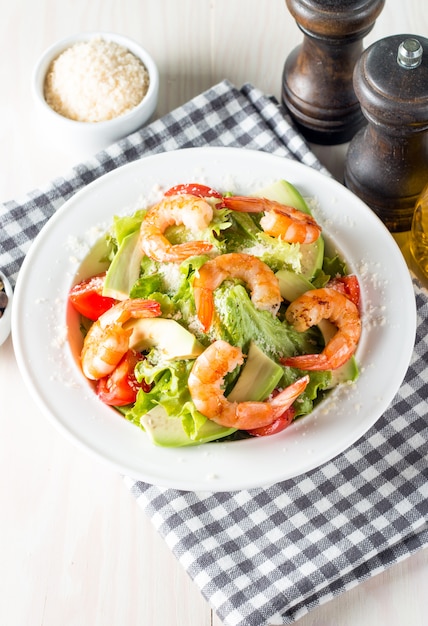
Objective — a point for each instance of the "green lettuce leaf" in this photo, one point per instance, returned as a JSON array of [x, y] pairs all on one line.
[[170, 390], [126, 225], [240, 322]]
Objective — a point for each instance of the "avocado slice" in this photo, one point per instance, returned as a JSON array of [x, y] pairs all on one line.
[[286, 193], [167, 335], [312, 257], [348, 372], [168, 432], [124, 269], [292, 285], [258, 378], [312, 253]]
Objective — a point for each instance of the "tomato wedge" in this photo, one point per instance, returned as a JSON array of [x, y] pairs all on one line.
[[121, 386], [348, 285], [87, 298], [276, 426], [194, 189]]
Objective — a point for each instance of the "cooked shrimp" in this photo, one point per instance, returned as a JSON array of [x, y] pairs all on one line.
[[205, 385], [263, 283], [312, 307], [279, 220], [107, 340], [194, 213]]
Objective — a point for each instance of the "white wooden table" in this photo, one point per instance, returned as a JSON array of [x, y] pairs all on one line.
[[75, 548]]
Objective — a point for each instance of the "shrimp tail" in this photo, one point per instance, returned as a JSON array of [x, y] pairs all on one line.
[[204, 302], [242, 204], [283, 401], [139, 307], [309, 362], [183, 251], [174, 254]]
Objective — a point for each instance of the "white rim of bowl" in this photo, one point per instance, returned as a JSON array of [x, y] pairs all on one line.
[[57, 48]]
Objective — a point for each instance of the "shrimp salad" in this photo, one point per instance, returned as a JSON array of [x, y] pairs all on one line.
[[219, 316]]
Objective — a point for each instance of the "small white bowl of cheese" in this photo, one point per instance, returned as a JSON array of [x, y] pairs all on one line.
[[93, 89]]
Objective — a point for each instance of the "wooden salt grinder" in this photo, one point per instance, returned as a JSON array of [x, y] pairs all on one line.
[[387, 162], [317, 78]]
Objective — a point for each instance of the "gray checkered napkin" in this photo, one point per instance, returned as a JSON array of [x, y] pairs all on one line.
[[268, 556]]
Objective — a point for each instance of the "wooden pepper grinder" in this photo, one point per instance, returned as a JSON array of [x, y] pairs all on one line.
[[387, 161], [317, 78]]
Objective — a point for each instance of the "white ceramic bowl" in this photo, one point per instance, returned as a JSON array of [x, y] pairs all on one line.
[[351, 229], [5, 319], [85, 138]]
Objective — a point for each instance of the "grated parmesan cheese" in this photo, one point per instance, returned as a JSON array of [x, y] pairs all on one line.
[[95, 81]]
